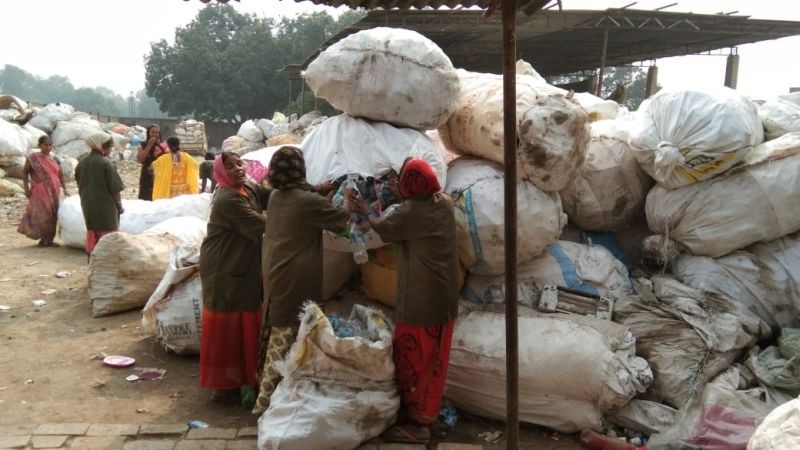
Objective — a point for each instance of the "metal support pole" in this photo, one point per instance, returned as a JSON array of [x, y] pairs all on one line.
[[602, 64], [302, 96], [732, 71], [652, 81], [509, 10]]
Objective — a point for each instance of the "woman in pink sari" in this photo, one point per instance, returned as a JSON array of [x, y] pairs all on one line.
[[43, 180]]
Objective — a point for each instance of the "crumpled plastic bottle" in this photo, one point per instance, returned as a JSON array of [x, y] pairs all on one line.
[[356, 234]]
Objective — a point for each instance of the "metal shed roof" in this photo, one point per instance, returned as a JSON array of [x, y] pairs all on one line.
[[558, 42]]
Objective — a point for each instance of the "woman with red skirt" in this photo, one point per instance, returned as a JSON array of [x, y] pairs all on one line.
[[424, 229], [230, 271]]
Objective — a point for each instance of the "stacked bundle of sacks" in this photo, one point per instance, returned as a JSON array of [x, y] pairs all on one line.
[[193, 137], [280, 130]]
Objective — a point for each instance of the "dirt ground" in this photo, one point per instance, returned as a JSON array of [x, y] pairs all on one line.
[[47, 370]]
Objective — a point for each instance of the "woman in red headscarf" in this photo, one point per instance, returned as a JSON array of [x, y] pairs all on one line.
[[230, 271], [424, 229]]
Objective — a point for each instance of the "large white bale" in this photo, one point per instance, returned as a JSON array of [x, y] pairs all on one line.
[[597, 108], [73, 149], [47, 118], [552, 127], [571, 369], [13, 142], [125, 269], [345, 145], [610, 187], [590, 269], [77, 128], [681, 137], [139, 215], [250, 132], [476, 185], [387, 74], [781, 115], [765, 277], [32, 134], [754, 204]]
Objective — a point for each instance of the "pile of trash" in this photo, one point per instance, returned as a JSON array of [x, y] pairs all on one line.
[[192, 134], [256, 134]]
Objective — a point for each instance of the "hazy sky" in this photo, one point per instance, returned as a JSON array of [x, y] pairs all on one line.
[[103, 42]]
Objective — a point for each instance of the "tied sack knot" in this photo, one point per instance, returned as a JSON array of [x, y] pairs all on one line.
[[667, 157]]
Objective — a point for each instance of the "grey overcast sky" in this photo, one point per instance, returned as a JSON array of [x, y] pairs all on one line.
[[103, 42]]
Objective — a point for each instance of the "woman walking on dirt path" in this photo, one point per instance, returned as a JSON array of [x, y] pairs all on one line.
[[292, 257], [230, 271], [43, 180], [99, 187], [149, 151], [424, 228]]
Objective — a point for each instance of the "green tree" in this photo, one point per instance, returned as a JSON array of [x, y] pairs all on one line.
[[14, 80], [227, 66], [633, 79]]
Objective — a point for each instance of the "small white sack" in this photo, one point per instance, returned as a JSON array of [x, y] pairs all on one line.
[[125, 269], [681, 137], [781, 115], [591, 269], [174, 311], [336, 393], [250, 132], [72, 149], [77, 128], [387, 74], [476, 185], [191, 230], [13, 142], [552, 127], [47, 118], [609, 189], [571, 369], [597, 108]]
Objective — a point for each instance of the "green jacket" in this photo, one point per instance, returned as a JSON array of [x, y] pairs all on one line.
[[230, 256], [293, 252], [427, 259], [98, 182]]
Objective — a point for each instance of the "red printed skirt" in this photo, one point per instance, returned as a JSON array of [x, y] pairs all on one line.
[[229, 345]]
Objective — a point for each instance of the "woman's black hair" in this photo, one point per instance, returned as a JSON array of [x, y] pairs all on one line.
[[43, 139], [173, 141]]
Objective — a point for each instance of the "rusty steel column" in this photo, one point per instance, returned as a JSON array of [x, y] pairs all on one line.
[[602, 64], [732, 71], [510, 231], [302, 96], [652, 81]]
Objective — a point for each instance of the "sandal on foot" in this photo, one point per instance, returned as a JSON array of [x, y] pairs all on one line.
[[408, 434]]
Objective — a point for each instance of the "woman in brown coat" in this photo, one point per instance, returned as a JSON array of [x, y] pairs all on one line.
[[230, 271], [292, 257], [424, 229]]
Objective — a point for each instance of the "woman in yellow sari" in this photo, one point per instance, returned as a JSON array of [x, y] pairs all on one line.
[[176, 173]]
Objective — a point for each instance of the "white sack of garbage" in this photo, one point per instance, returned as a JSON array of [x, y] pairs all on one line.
[[125, 269], [387, 74], [780, 115], [764, 277], [552, 127], [566, 394], [752, 204], [688, 336], [338, 390], [476, 186], [13, 141], [173, 312], [681, 137], [590, 269], [610, 187], [779, 430], [139, 216], [47, 117]]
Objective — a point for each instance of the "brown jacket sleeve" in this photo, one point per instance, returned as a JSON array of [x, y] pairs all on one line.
[[328, 217], [400, 225], [242, 217]]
